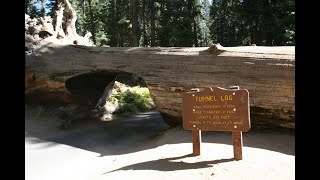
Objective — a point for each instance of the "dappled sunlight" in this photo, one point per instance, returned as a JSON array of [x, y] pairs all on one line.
[[131, 49], [141, 116]]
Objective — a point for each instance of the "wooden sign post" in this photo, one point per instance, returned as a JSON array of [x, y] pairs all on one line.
[[217, 109], [196, 141]]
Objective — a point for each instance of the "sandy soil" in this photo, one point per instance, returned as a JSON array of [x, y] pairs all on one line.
[[142, 147]]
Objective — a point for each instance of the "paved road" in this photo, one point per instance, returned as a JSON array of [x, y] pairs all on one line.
[[135, 147], [52, 153]]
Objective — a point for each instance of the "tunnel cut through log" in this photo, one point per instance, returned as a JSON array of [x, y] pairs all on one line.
[[88, 87], [267, 72]]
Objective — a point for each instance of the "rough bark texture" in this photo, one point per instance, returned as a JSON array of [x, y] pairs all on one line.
[[267, 72]]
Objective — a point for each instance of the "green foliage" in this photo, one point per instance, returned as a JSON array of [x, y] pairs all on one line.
[[31, 8], [226, 24], [245, 22], [176, 23], [34, 12], [290, 35], [135, 99], [113, 99]]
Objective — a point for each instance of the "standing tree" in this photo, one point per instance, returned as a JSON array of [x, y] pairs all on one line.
[[152, 22], [204, 23], [196, 12], [62, 29], [172, 22], [118, 23], [71, 18], [226, 23], [92, 24], [134, 23]]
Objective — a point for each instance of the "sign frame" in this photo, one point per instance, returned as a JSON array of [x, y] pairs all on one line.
[[216, 109], [196, 128]]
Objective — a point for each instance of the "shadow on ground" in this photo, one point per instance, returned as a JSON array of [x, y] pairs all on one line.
[[168, 164], [137, 131]]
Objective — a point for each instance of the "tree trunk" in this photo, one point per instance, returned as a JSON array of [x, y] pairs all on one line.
[[153, 25], [71, 19], [144, 23], [195, 34], [92, 25], [190, 36], [59, 16], [267, 72], [135, 23]]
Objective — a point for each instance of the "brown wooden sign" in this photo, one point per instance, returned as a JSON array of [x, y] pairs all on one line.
[[216, 109]]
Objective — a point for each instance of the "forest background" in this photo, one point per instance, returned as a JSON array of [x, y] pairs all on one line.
[[179, 23]]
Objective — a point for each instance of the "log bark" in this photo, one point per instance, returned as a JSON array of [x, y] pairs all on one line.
[[267, 72]]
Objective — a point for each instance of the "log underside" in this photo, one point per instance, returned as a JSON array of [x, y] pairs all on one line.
[[267, 72]]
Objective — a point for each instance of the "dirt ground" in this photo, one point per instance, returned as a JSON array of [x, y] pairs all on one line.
[[141, 146]]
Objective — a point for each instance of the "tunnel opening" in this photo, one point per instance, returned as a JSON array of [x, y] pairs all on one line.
[[87, 88], [132, 130], [108, 94], [87, 96]]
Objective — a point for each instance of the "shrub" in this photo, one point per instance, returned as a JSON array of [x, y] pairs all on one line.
[[135, 99]]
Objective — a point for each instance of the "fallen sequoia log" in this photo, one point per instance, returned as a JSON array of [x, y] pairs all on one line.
[[267, 72]]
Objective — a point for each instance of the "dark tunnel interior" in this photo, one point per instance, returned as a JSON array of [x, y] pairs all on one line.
[[90, 85], [87, 88]]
